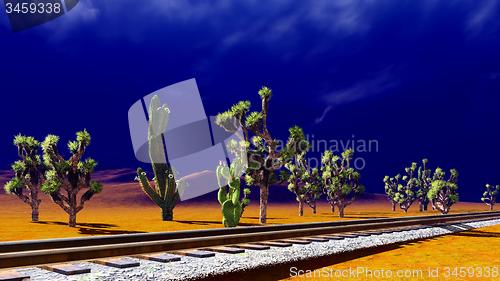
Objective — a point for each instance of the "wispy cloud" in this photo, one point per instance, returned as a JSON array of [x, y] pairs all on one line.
[[382, 81], [481, 16]]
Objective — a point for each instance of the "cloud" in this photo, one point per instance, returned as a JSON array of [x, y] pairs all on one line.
[[382, 81], [479, 18]]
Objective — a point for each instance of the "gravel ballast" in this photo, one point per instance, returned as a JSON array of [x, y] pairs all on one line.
[[190, 268]]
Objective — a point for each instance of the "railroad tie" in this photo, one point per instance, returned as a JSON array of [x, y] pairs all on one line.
[[315, 239], [195, 253], [66, 269], [332, 237], [250, 246], [164, 257], [296, 241], [117, 262], [13, 275], [225, 250], [275, 244]]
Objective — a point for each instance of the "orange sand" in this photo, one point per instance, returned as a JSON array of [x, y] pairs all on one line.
[[103, 215], [451, 257]]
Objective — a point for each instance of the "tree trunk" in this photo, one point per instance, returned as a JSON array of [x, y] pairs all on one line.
[[167, 214], [34, 211], [301, 208], [314, 208], [72, 218], [35, 203], [333, 208], [426, 204], [394, 206], [421, 207], [341, 211], [264, 193], [491, 207]]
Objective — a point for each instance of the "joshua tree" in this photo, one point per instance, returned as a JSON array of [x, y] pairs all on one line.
[[28, 173], [443, 193], [391, 188], [164, 191], [403, 192], [424, 182], [490, 195], [64, 179], [341, 182], [303, 181], [263, 151], [229, 180]]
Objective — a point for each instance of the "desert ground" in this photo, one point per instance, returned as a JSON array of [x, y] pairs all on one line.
[[430, 259], [123, 208]]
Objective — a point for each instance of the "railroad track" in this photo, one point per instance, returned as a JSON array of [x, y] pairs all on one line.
[[204, 242]]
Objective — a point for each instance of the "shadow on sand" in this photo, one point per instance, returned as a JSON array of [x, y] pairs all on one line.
[[92, 228], [212, 222]]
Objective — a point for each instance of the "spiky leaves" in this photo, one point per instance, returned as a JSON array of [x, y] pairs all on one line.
[[28, 173], [403, 190], [443, 192], [490, 195], [340, 180], [424, 176], [65, 179], [263, 151], [164, 191], [303, 181]]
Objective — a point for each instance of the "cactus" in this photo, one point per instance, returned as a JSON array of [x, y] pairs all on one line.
[[229, 194], [64, 179], [28, 173], [490, 195], [164, 191], [443, 193]]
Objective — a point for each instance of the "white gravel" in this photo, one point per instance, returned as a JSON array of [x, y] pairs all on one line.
[[194, 268]]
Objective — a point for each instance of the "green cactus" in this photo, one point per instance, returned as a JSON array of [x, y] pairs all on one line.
[[164, 191], [402, 192], [229, 194]]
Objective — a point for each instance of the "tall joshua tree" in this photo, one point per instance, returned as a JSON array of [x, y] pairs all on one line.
[[443, 193], [490, 195], [403, 190], [64, 179], [340, 180], [28, 173], [164, 191], [424, 182], [303, 181], [263, 152]]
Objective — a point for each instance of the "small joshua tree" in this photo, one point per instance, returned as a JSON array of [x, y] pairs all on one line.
[[340, 181], [424, 182], [28, 173], [443, 193], [303, 181], [403, 190], [490, 195], [391, 188], [64, 179], [263, 151], [164, 191], [229, 180]]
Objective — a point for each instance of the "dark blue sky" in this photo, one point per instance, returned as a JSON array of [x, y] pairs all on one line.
[[420, 77]]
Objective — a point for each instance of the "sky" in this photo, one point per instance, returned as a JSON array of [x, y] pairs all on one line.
[[420, 78]]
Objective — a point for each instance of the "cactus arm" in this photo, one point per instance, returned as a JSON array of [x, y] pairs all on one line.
[[235, 196], [147, 189], [222, 195], [228, 213]]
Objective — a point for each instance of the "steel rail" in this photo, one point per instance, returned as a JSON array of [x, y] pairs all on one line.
[[57, 250]]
